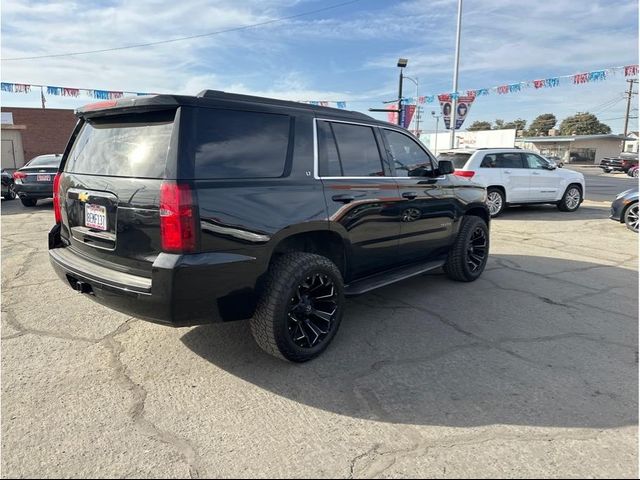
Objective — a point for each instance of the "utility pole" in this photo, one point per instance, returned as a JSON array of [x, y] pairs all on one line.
[[630, 94], [456, 64]]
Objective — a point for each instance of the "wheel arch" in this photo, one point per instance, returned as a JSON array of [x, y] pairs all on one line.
[[502, 189], [325, 242]]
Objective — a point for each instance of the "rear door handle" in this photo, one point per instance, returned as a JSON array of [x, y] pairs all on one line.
[[344, 198], [535, 173], [409, 195], [506, 171]]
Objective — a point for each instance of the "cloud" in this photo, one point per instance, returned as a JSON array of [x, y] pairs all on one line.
[[342, 54]]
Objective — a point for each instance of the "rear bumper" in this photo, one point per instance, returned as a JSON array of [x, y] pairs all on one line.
[[34, 190], [183, 290]]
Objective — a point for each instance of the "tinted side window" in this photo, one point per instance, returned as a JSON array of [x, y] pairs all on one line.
[[508, 160], [489, 161], [358, 150], [237, 144], [329, 162], [406, 154]]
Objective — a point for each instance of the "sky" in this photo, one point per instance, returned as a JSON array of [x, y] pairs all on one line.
[[348, 53]]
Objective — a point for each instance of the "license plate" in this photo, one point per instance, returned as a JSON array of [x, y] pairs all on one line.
[[95, 216], [43, 178]]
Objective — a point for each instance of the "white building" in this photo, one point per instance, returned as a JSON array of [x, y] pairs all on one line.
[[475, 139], [588, 149]]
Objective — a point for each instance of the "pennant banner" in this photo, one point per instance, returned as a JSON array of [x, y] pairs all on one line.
[[507, 89], [463, 105]]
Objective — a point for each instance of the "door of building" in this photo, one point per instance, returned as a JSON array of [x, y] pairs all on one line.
[[8, 154]]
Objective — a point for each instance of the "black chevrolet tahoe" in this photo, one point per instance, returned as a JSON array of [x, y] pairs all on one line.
[[187, 210]]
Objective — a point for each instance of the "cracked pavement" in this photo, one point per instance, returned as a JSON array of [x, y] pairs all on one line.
[[531, 371]]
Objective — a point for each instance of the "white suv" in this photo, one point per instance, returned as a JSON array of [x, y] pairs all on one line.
[[513, 177]]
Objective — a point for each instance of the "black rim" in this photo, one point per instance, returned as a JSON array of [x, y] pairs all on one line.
[[312, 311], [477, 249]]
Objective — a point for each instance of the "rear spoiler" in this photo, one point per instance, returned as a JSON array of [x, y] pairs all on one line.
[[142, 103]]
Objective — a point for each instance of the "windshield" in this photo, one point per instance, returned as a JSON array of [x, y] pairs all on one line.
[[44, 160], [459, 160], [133, 145]]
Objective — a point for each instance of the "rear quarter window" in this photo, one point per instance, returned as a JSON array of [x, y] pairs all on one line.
[[240, 144]]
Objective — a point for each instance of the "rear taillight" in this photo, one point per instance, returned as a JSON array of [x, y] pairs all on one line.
[[464, 173], [57, 208], [177, 218], [17, 175]]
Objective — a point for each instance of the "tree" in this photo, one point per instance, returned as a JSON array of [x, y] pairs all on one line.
[[518, 124], [498, 124], [541, 125], [479, 125], [583, 123]]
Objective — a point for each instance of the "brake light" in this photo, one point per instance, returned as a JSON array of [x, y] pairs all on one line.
[[464, 173], [57, 207], [17, 175], [177, 218]]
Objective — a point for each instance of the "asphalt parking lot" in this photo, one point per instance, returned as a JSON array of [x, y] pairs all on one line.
[[531, 371]]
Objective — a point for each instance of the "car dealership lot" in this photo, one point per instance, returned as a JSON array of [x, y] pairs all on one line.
[[529, 371]]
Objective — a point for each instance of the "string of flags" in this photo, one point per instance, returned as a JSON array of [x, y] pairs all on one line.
[[111, 95], [67, 91], [552, 82]]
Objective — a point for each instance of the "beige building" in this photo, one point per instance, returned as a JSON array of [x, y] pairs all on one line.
[[588, 149]]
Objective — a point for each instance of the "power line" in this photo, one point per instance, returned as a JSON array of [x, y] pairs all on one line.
[[180, 39]]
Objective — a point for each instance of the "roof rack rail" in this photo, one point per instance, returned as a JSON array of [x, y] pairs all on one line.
[[219, 94]]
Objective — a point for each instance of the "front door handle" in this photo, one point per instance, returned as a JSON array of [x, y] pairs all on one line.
[[535, 173], [344, 198], [409, 195], [506, 171]]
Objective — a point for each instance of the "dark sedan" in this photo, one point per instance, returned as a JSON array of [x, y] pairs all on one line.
[[624, 209], [34, 181], [8, 190]]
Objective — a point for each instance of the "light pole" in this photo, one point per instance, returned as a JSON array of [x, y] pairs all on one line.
[[417, 112], [454, 103], [402, 63], [435, 146]]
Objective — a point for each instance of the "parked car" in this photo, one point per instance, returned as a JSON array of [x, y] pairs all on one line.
[[514, 176], [619, 164], [555, 160], [624, 209], [187, 210], [34, 181], [633, 171], [8, 190]]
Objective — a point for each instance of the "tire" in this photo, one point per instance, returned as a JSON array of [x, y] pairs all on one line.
[[285, 323], [631, 217], [636, 173], [571, 199], [28, 202], [11, 193], [462, 265], [495, 201]]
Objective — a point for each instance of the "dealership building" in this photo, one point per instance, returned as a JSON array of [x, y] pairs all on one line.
[[29, 132]]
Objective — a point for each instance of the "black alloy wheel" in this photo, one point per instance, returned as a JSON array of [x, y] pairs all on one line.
[[312, 311], [469, 253], [477, 249]]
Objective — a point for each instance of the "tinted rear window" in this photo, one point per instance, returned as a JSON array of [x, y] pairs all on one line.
[[133, 145], [459, 160], [238, 144], [44, 160]]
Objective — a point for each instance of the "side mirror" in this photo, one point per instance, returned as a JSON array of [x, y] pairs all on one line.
[[445, 167]]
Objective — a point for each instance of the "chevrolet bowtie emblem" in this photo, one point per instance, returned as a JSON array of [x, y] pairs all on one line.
[[83, 197]]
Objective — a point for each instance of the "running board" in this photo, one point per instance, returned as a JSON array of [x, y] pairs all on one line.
[[390, 276]]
